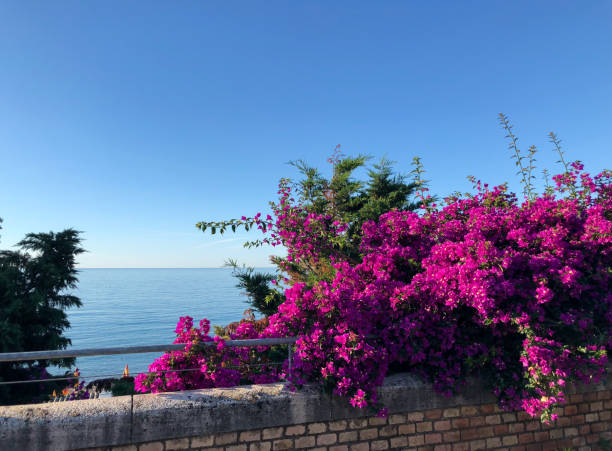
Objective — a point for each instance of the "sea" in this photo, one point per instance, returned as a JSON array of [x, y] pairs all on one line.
[[127, 307]]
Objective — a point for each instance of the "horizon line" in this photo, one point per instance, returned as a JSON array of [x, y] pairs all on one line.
[[163, 267]]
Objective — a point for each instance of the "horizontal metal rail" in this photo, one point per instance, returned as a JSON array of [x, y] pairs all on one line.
[[62, 354]]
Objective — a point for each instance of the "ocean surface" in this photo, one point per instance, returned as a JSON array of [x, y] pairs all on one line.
[[126, 307]]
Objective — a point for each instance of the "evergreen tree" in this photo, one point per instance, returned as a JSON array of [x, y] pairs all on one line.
[[344, 198], [33, 300]]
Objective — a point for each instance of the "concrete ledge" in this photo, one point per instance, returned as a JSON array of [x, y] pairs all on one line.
[[143, 418]]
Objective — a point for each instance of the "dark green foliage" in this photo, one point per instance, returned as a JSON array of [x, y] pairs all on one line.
[[123, 386], [256, 286], [33, 300], [344, 198]]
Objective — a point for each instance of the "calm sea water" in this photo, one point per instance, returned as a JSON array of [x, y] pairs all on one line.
[[124, 307]]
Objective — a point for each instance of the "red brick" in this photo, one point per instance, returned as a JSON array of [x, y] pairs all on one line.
[[534, 447], [606, 394], [461, 423], [509, 417], [583, 408], [231, 437], [578, 441], [397, 419], [469, 434], [351, 436], [500, 429], [374, 421], [488, 409], [571, 432], [494, 442], [563, 421], [415, 416], [605, 415], [416, 440], [451, 436], [283, 444], [425, 426], [388, 431], [523, 416], [317, 428], [477, 421], [608, 404], [577, 419], [478, 444], [339, 425], [567, 443], [485, 432], [596, 406], [493, 419], [433, 438], [357, 423], [327, 439], [599, 427], [570, 410], [576, 398], [379, 445], [533, 426], [509, 440], [406, 429], [398, 442], [451, 413], [541, 436], [305, 442], [469, 411], [516, 427], [593, 438], [461, 447], [590, 396], [433, 414], [299, 429], [443, 448], [368, 434], [585, 429], [443, 425], [526, 438]]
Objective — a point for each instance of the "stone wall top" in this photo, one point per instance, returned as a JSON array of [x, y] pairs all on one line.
[[163, 416]]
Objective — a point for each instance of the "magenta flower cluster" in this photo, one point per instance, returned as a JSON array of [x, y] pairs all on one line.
[[307, 235], [519, 294], [205, 366]]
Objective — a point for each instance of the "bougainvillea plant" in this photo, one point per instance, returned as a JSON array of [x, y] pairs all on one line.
[[201, 366], [516, 292]]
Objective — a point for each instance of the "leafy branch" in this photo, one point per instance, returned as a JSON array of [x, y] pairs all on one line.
[[524, 171], [234, 224]]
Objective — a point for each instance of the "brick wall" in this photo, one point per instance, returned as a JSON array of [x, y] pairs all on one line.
[[584, 423], [270, 417]]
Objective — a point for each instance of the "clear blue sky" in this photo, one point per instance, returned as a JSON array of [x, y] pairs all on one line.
[[131, 121]]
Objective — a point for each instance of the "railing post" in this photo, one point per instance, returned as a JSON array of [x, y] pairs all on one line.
[[290, 355]]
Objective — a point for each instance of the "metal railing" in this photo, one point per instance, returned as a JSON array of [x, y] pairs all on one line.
[[65, 353]]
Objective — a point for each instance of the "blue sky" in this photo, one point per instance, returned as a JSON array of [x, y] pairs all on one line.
[[131, 121]]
